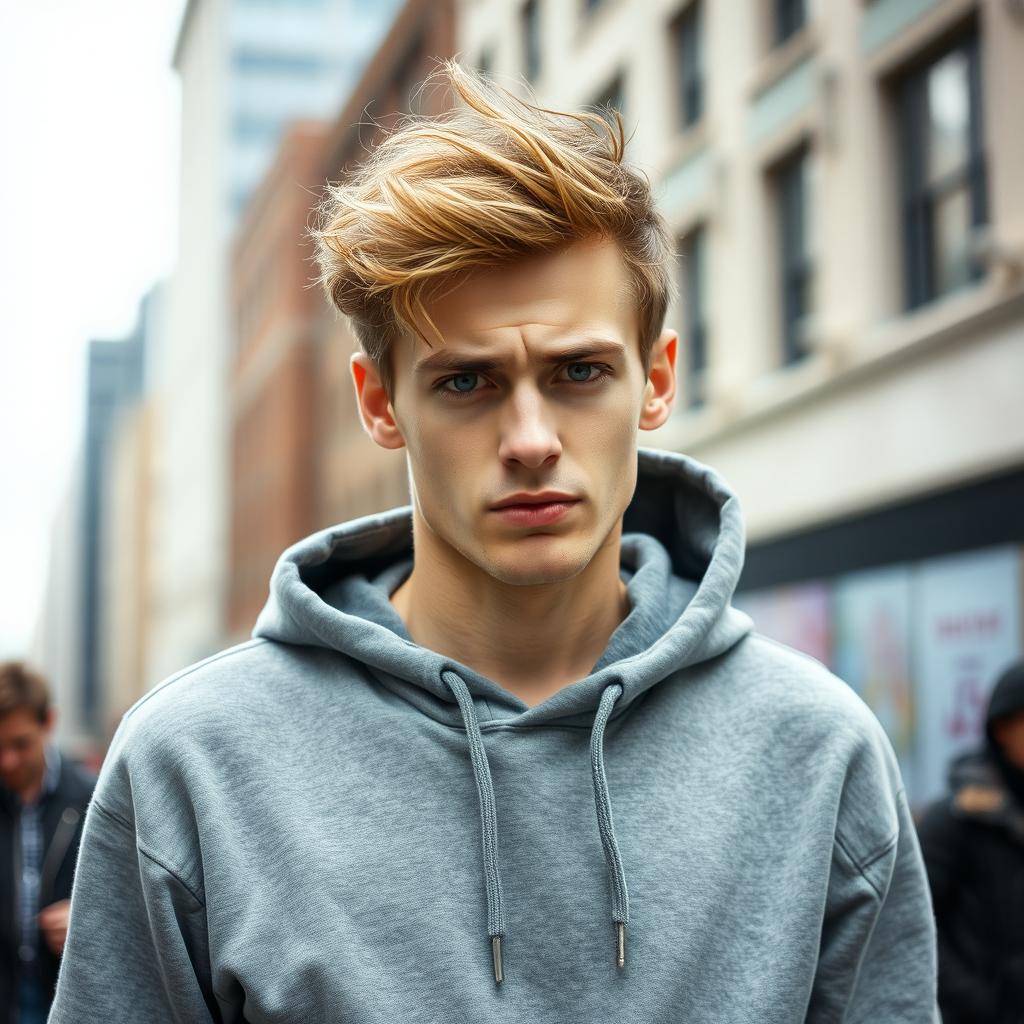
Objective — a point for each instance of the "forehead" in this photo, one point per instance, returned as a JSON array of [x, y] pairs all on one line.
[[19, 722], [580, 291]]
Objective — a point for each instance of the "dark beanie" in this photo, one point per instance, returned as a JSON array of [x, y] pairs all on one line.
[[1008, 694], [1007, 699]]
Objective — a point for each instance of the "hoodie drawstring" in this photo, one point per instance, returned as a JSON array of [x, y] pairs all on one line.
[[605, 825], [489, 820]]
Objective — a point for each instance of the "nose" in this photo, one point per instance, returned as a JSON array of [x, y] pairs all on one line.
[[529, 436]]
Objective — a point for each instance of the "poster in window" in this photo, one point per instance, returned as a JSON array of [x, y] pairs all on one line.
[[797, 615], [967, 626], [871, 636]]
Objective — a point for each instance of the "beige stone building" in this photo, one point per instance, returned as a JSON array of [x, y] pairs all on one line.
[[836, 362], [843, 179], [124, 574]]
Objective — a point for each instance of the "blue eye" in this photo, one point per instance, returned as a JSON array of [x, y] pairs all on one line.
[[462, 382], [580, 372]]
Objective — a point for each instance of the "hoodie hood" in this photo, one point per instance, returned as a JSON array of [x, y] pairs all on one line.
[[682, 552]]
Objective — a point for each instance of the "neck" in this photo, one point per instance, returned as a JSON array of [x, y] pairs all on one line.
[[30, 793], [532, 640]]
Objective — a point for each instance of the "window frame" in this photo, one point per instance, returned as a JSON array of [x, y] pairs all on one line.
[[693, 249], [789, 18], [614, 89], [532, 39], [794, 252], [690, 80], [919, 197]]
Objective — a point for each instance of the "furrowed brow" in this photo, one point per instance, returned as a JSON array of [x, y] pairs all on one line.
[[452, 362], [584, 350]]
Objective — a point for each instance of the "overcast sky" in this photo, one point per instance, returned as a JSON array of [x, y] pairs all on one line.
[[88, 221]]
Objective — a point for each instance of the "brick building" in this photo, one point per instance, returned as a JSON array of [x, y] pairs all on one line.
[[273, 391], [300, 460], [354, 475]]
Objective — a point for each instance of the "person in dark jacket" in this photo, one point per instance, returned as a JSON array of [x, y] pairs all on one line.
[[973, 845], [43, 798]]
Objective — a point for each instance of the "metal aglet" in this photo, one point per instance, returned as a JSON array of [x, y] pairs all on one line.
[[499, 973], [620, 945]]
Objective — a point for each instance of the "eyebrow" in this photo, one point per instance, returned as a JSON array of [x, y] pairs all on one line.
[[453, 362]]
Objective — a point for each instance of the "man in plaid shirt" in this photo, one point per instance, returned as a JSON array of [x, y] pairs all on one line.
[[42, 803]]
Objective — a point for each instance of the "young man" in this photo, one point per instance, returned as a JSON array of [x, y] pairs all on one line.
[[42, 805], [508, 754]]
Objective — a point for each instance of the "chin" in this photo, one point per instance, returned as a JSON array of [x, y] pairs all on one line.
[[522, 567]]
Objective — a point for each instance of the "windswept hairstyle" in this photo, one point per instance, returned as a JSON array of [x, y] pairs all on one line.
[[23, 689], [482, 185]]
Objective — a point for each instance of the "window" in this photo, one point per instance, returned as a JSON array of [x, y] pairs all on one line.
[[788, 16], [688, 59], [792, 202], [409, 74], [267, 62], [943, 170], [239, 199], [611, 98], [250, 127], [694, 256], [531, 39]]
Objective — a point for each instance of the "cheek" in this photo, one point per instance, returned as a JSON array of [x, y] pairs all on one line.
[[604, 446], [610, 434], [445, 465]]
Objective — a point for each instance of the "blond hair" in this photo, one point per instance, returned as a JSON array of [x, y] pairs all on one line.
[[481, 186]]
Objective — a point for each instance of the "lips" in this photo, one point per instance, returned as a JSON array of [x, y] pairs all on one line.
[[541, 509], [540, 498]]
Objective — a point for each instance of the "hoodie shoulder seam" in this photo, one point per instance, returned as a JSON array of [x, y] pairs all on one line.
[[160, 863], [863, 865], [146, 852], [789, 650], [185, 672], [113, 816]]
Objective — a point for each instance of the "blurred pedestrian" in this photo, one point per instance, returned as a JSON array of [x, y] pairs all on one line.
[[973, 843], [43, 798]]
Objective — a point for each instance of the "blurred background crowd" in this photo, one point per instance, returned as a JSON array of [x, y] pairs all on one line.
[[843, 179]]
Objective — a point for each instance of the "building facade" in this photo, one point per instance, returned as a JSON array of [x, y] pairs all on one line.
[[247, 68], [56, 644], [353, 475], [114, 386], [843, 181], [299, 459], [273, 389]]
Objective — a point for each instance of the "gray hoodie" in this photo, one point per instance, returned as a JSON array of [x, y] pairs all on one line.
[[331, 823]]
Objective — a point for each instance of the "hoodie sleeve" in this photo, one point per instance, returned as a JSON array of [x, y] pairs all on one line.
[[877, 956], [136, 945], [877, 952]]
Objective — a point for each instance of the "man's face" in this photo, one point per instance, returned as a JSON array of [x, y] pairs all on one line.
[[1009, 734], [22, 749], [534, 398]]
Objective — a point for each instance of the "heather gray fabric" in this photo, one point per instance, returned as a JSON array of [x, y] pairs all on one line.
[[330, 823]]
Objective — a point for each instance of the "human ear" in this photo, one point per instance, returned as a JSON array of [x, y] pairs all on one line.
[[660, 392], [375, 409]]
